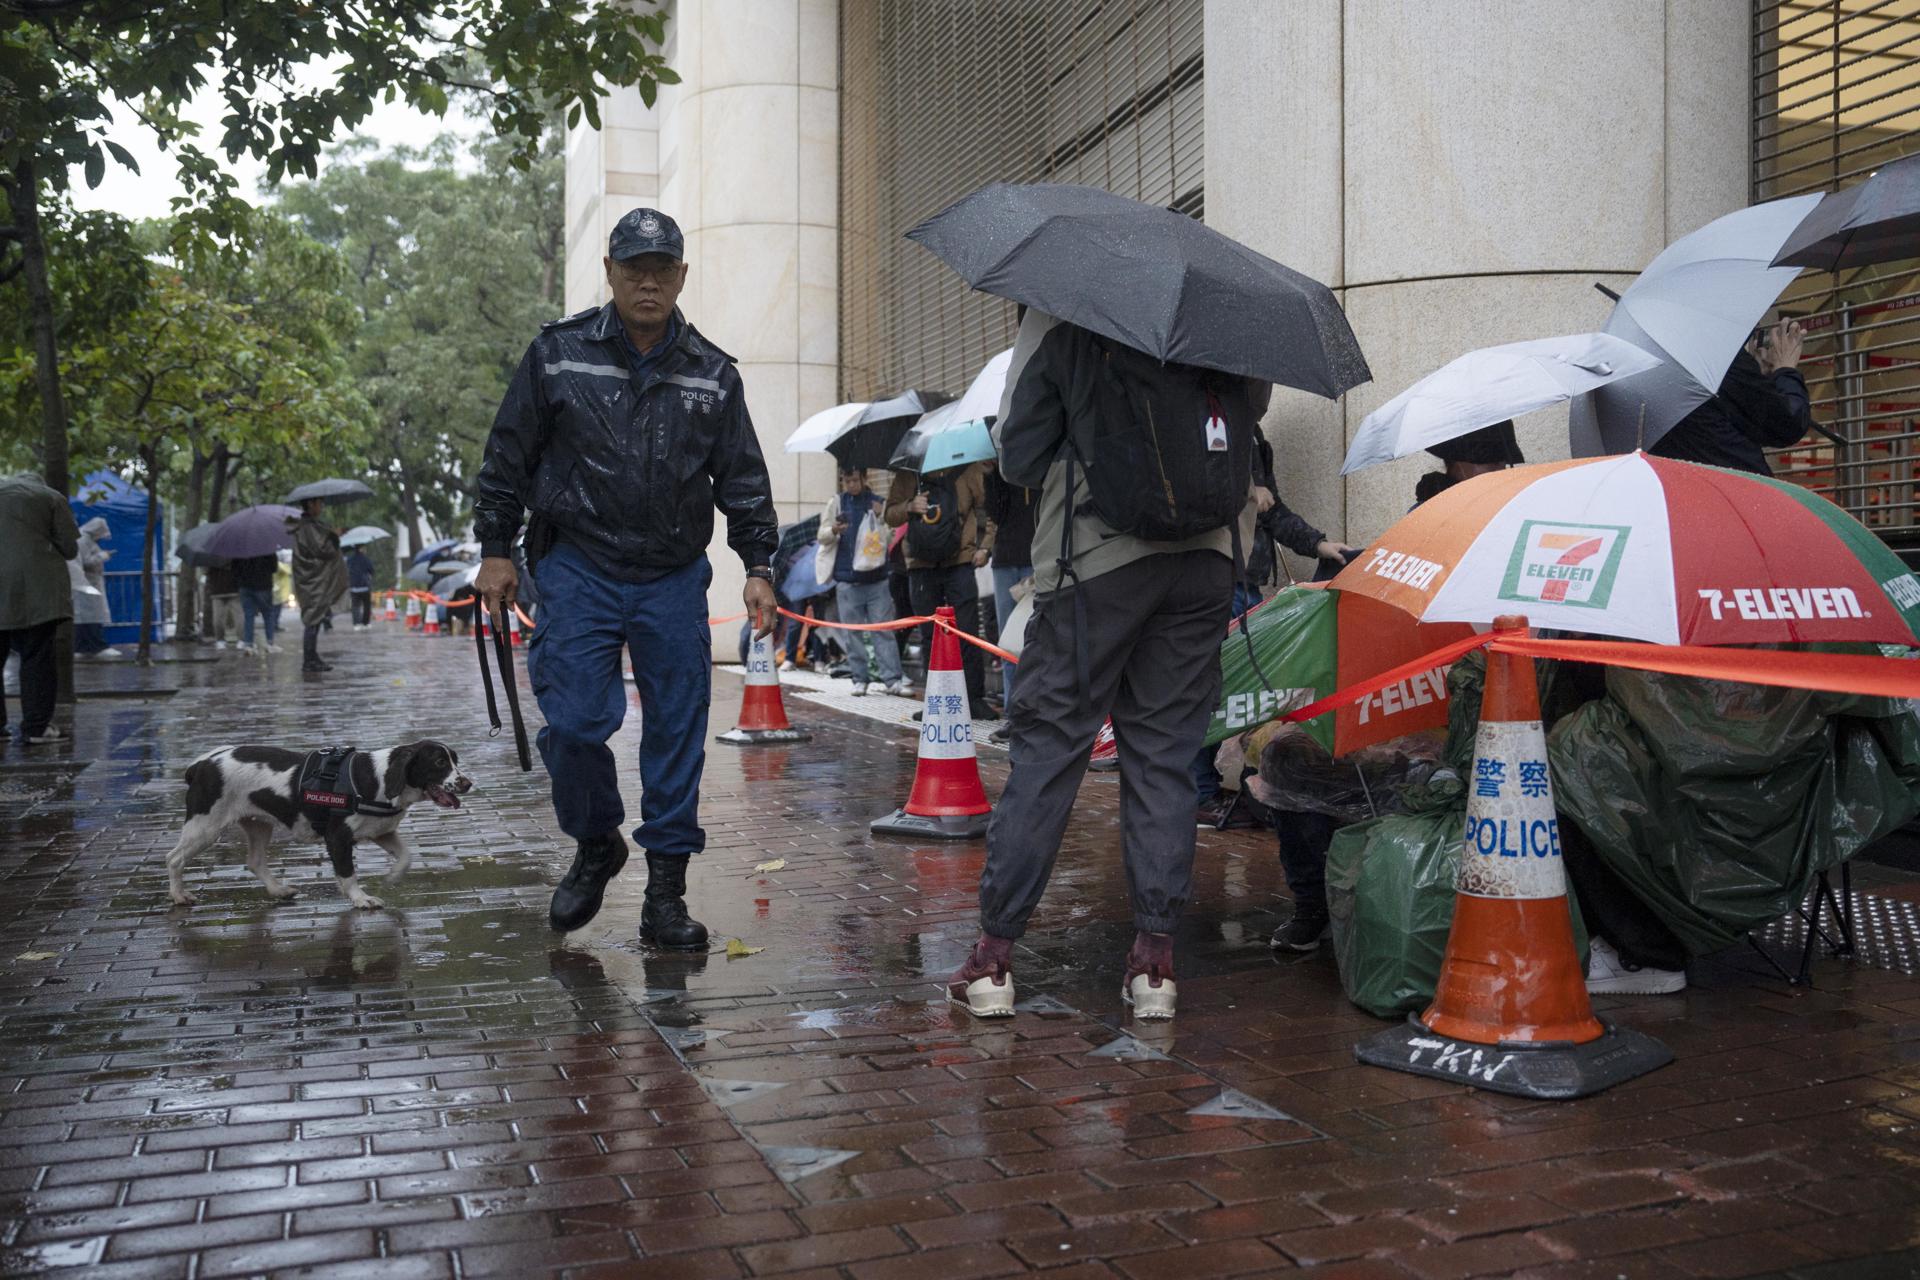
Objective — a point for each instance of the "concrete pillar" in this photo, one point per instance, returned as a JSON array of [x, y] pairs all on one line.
[[1461, 175], [743, 152]]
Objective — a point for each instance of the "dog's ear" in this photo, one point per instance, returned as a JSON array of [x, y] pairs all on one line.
[[399, 769], [428, 763]]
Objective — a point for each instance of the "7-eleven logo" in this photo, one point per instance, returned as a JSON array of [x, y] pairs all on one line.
[[1565, 564]]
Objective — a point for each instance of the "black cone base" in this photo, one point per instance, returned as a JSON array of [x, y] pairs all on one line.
[[758, 737], [901, 823], [1552, 1071]]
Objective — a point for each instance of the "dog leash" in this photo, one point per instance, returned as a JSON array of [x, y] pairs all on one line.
[[504, 652]]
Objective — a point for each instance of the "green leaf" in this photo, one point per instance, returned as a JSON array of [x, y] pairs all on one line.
[[96, 167], [121, 154]]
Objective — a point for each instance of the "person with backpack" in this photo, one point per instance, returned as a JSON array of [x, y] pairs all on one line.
[[949, 535], [1146, 477]]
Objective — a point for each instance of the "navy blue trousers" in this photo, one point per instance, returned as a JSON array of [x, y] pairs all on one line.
[[586, 621]]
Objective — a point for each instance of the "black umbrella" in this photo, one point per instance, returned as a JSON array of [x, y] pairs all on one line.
[[1151, 278], [795, 536], [330, 491], [870, 442], [1874, 221]]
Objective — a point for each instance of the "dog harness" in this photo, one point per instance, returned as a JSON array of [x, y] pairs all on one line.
[[326, 790]]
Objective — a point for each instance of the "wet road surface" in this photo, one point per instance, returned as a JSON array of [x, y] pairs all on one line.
[[445, 1089]]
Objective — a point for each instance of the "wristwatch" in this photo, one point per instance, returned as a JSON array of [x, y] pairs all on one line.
[[762, 572]]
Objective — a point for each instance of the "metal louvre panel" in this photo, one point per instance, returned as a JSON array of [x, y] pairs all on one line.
[[941, 97], [1836, 94]]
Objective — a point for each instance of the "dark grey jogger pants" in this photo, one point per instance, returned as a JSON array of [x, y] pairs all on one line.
[[1153, 631]]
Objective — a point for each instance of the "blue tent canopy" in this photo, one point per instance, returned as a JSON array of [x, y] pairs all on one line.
[[124, 507]]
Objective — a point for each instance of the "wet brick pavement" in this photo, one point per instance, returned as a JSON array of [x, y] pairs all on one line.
[[440, 1089]]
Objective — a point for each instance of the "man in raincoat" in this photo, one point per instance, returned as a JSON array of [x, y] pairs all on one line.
[[36, 528], [90, 615], [319, 578], [622, 430]]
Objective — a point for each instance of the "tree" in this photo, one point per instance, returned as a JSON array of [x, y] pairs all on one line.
[[62, 62], [187, 368], [453, 275]]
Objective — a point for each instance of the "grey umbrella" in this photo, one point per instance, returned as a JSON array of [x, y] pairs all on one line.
[[1694, 307], [1151, 278], [1873, 221], [192, 548], [251, 531], [331, 491]]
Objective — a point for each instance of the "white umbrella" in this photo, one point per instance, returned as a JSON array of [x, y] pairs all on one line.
[[360, 535], [1694, 306], [826, 426], [862, 435], [981, 402], [1491, 385]]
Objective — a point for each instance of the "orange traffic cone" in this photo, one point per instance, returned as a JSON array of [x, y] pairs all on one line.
[[432, 616], [1510, 1012], [947, 800], [763, 716], [393, 610], [486, 622], [413, 613], [513, 625]]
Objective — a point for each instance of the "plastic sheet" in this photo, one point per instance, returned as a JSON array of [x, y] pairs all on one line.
[[1718, 803]]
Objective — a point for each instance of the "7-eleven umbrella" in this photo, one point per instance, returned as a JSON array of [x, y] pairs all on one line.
[[1309, 642], [1645, 548]]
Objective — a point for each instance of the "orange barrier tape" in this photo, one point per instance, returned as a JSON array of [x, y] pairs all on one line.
[[1788, 669], [902, 624], [1354, 692]]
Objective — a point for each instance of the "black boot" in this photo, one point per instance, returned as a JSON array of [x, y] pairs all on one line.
[[664, 921], [577, 900]]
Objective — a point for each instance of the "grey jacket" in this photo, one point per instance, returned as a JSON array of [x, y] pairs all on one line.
[[37, 529]]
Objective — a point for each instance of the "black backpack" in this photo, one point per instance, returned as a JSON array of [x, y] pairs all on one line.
[[1172, 447], [937, 536]]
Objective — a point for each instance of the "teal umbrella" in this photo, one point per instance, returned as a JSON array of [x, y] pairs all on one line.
[[953, 445]]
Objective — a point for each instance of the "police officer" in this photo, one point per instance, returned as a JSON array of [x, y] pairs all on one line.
[[622, 430]]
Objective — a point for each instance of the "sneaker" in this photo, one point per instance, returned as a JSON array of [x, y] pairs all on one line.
[[984, 984], [859, 688], [219, 644], [1304, 932], [110, 653], [787, 666], [900, 689], [272, 648], [1608, 974], [1148, 986], [51, 734], [1213, 811]]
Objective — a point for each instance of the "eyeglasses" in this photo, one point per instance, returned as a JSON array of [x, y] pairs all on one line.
[[639, 273]]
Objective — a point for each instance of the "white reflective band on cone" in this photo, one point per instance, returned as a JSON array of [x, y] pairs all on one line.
[[1512, 843], [946, 725], [760, 660]]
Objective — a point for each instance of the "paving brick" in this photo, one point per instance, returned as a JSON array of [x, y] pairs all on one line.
[[1222, 1258]]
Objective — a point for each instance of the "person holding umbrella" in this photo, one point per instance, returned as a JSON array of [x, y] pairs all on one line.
[[319, 578], [1138, 422], [1762, 404], [621, 431]]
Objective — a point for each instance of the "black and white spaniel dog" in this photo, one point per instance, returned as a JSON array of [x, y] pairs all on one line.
[[336, 797]]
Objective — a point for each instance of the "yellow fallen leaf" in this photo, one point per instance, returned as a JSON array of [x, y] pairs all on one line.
[[778, 864], [738, 950], [35, 955]]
